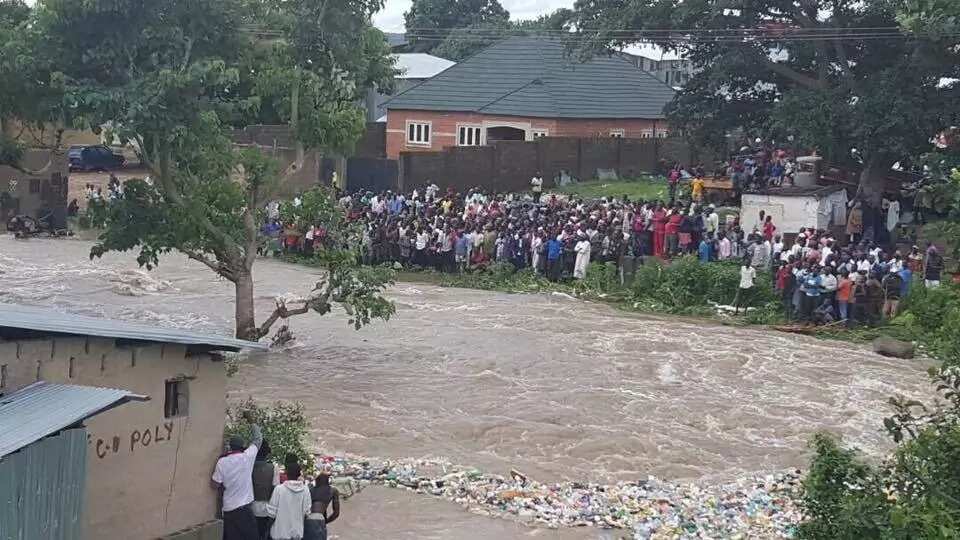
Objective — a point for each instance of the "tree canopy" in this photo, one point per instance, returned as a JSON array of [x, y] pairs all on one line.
[[174, 77], [430, 22], [837, 75]]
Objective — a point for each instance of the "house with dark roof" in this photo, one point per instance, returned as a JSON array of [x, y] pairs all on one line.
[[523, 88]]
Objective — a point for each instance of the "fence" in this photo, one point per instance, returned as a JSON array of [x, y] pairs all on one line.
[[509, 165], [42, 488]]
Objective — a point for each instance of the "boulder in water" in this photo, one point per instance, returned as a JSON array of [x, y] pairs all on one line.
[[887, 346]]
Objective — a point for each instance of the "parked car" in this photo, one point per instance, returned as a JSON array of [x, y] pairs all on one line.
[[93, 158]]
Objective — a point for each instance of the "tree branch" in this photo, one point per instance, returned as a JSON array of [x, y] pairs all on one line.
[[320, 302], [215, 266], [795, 76]]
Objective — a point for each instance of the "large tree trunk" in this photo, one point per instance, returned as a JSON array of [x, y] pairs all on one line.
[[245, 317], [873, 180]]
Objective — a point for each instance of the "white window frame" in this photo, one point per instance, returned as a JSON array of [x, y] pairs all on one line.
[[539, 133], [617, 133], [423, 141], [646, 134], [662, 134], [473, 135]]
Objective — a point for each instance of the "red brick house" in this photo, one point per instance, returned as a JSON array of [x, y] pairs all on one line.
[[523, 88]]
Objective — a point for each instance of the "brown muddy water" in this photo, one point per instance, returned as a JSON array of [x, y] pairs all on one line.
[[556, 387]]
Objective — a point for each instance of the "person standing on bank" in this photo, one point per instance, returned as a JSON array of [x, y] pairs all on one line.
[[536, 186], [323, 497], [289, 506], [266, 476], [234, 475], [747, 275]]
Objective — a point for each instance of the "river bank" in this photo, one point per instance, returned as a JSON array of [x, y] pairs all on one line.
[[689, 291], [562, 389]]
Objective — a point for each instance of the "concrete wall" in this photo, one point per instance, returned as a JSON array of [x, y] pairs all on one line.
[[33, 195], [148, 476], [277, 142], [444, 127]]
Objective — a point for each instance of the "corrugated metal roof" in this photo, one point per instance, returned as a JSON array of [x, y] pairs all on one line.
[[47, 320], [531, 76], [420, 65], [41, 409]]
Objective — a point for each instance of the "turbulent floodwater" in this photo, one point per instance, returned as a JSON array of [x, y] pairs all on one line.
[[555, 387]]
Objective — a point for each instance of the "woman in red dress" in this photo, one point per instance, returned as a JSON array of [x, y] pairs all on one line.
[[659, 229]]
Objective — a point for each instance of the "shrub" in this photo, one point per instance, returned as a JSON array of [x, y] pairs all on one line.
[[688, 284], [285, 426], [913, 494]]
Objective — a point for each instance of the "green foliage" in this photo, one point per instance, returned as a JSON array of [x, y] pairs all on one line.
[[647, 188], [430, 22], [831, 94], [285, 427], [687, 285], [174, 78], [913, 494], [501, 277], [601, 279], [933, 317]]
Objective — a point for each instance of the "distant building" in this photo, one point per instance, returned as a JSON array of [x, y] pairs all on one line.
[[414, 68], [36, 195], [523, 88], [148, 464], [674, 72]]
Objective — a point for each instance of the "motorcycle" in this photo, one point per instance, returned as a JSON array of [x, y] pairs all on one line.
[[23, 226]]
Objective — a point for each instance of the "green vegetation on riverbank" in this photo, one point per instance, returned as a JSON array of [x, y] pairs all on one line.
[[643, 188]]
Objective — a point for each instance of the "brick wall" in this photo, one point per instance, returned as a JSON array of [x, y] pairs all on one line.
[[444, 125]]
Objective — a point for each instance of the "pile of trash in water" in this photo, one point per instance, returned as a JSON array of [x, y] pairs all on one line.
[[749, 508]]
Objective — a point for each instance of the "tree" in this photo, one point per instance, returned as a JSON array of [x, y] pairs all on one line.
[[430, 22], [173, 77], [33, 110], [837, 74], [461, 43]]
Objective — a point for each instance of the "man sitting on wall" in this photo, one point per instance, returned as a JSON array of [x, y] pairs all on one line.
[[234, 475]]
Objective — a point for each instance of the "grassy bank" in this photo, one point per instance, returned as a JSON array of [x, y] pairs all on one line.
[[642, 188]]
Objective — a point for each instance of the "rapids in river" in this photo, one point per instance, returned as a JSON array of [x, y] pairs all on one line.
[[558, 388]]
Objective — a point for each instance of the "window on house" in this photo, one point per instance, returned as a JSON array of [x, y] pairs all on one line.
[[646, 134], [418, 133], [468, 135], [667, 78], [3, 376], [662, 134], [34, 186], [538, 133], [616, 133], [176, 398]]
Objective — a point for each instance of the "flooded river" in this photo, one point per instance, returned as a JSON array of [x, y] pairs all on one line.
[[555, 387]]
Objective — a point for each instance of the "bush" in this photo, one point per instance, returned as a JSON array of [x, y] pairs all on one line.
[[601, 278], [913, 494], [688, 284], [285, 426]]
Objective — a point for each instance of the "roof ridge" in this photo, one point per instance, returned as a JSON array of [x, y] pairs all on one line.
[[446, 71]]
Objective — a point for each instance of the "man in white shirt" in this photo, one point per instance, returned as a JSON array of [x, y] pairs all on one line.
[[234, 475], [536, 186]]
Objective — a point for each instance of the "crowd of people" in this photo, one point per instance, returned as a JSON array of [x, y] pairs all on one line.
[[820, 279], [261, 502]]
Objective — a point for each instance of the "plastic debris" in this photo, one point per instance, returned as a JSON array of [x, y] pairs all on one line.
[[751, 507]]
